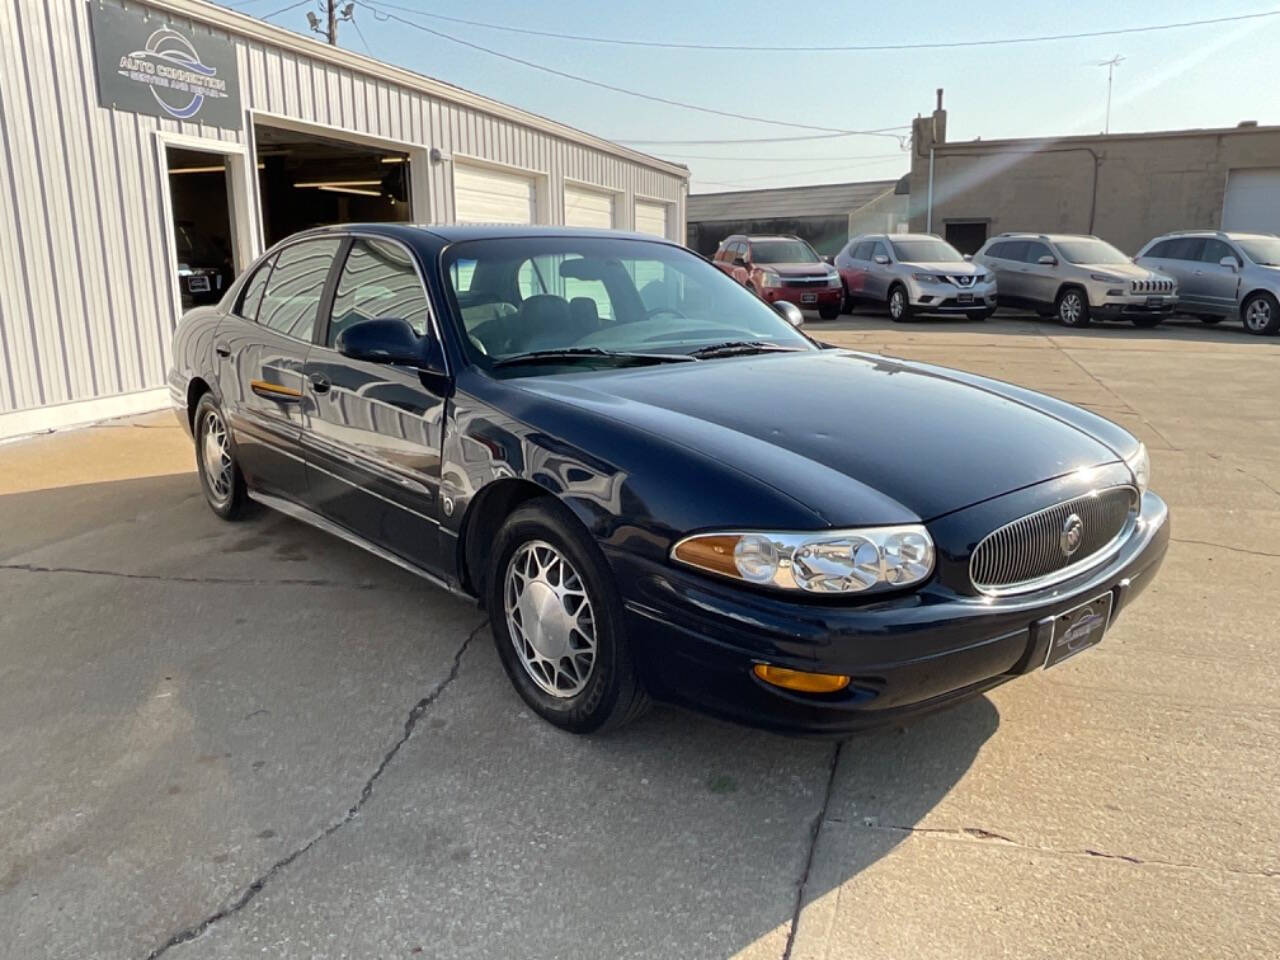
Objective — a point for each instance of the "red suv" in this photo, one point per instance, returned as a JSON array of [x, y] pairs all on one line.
[[782, 268]]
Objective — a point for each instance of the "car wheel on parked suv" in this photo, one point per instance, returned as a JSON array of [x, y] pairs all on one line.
[[980, 314], [1071, 308], [1261, 313], [1146, 323], [829, 311], [899, 304]]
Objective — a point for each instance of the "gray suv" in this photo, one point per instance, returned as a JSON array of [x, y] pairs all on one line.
[[1077, 279], [913, 273], [1222, 275]]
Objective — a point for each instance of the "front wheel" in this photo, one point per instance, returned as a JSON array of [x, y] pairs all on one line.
[[1261, 314], [1072, 308], [557, 622], [980, 314], [220, 475], [829, 311], [899, 305]]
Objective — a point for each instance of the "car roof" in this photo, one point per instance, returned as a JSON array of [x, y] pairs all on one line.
[[454, 232], [1051, 237], [757, 237]]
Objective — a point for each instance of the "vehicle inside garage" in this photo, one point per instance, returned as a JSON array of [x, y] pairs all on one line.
[[198, 197], [305, 181]]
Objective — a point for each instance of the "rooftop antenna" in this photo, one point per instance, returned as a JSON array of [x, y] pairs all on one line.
[[1111, 69]]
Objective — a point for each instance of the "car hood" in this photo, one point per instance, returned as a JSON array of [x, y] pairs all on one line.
[[1127, 271], [857, 438], [949, 267], [797, 269]]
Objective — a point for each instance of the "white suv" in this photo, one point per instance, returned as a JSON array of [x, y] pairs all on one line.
[[1222, 275], [913, 273]]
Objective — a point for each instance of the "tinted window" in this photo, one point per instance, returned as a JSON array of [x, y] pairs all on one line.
[[1034, 251], [1214, 250], [782, 251], [251, 293], [863, 251], [878, 249], [378, 281], [1185, 248], [292, 297], [995, 250]]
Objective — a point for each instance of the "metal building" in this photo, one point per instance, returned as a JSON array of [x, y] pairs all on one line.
[[150, 151]]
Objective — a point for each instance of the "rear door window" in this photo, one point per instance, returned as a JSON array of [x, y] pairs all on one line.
[[863, 250], [1185, 248], [251, 293], [292, 296]]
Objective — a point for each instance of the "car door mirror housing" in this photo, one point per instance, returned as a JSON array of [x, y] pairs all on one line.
[[828, 258], [790, 312], [1048, 261], [1229, 262], [387, 340], [881, 259], [969, 257]]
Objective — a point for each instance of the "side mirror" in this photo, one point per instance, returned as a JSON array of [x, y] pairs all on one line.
[[968, 257], [790, 312], [881, 259], [739, 262], [828, 258], [382, 341], [1229, 262], [1048, 261]]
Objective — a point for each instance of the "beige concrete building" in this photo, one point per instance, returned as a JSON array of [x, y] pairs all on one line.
[[1123, 187]]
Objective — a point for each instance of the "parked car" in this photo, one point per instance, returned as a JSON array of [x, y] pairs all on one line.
[[693, 502], [1076, 278], [1222, 275], [204, 270], [781, 268], [912, 273]]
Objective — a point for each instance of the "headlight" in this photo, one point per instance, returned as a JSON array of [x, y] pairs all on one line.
[[1105, 278], [1140, 465], [770, 278], [833, 278], [927, 278], [824, 561]]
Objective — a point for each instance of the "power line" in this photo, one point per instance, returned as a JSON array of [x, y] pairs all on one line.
[[360, 34], [276, 13], [377, 9], [881, 132], [827, 48], [705, 156]]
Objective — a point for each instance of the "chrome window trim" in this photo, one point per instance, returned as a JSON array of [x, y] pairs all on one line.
[[1071, 570]]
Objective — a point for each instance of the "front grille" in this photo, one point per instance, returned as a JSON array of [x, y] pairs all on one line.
[[1028, 553], [1151, 286], [804, 281]]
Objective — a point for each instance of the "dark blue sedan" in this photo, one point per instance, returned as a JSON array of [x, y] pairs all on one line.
[[657, 485]]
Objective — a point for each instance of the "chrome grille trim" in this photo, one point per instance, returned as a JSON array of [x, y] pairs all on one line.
[[1024, 555], [1151, 286]]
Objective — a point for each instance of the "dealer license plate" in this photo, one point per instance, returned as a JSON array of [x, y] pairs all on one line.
[[1155, 301], [808, 298], [198, 284], [965, 297], [1079, 629]]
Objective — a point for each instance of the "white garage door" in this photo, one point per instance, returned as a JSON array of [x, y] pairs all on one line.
[[482, 195], [1252, 203], [587, 208], [651, 218]]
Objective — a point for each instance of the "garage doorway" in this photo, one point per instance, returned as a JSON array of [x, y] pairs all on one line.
[[308, 180], [967, 236], [1252, 201], [204, 245]]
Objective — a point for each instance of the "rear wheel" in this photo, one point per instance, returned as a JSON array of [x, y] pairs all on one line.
[[557, 622], [899, 306], [220, 475], [1261, 314], [1072, 308]]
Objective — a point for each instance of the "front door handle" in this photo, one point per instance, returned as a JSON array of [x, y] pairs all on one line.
[[222, 350], [320, 383]]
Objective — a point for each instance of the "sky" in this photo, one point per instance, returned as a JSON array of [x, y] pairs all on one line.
[[1204, 76]]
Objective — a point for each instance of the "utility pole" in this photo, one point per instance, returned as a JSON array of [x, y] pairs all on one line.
[[1111, 67], [333, 17]]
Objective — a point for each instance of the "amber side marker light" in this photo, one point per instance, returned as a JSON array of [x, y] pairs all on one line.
[[800, 680]]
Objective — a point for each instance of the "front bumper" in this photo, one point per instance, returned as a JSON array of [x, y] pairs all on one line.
[[1134, 305], [809, 298], [949, 298], [696, 639]]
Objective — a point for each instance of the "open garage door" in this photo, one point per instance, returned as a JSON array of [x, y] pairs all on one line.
[[652, 218], [203, 245], [486, 195], [1252, 202], [308, 181], [584, 207]]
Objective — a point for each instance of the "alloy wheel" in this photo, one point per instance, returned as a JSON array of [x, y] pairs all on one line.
[[896, 304], [1070, 308], [549, 619], [215, 457], [1257, 316]]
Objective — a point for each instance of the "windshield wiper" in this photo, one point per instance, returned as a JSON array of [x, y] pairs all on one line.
[[588, 353], [735, 347]]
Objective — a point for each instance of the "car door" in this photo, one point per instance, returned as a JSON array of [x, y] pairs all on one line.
[[878, 274], [1039, 282], [1004, 259], [260, 354], [372, 434], [1219, 284], [853, 266], [1181, 260]]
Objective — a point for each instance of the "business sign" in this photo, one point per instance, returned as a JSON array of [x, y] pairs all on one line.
[[148, 65]]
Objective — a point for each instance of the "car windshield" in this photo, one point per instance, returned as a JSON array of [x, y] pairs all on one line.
[[1090, 251], [782, 251], [600, 297], [928, 250], [1261, 250]]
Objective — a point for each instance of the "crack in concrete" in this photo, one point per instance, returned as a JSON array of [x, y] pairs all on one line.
[[815, 829], [1125, 403], [1223, 546], [173, 578], [258, 885]]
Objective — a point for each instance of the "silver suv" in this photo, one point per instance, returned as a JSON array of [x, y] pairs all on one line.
[[914, 273], [1222, 275], [1077, 279]]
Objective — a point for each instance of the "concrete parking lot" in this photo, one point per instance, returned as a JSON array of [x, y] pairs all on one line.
[[223, 740]]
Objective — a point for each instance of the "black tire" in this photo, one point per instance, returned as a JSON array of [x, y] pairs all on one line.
[[1210, 318], [1260, 314], [611, 694], [846, 303], [224, 488], [1072, 308], [1146, 323], [899, 304], [980, 315], [829, 312]]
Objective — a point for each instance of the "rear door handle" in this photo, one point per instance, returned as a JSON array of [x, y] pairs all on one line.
[[320, 383], [222, 350]]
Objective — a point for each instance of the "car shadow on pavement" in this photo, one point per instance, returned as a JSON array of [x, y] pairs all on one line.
[[198, 716]]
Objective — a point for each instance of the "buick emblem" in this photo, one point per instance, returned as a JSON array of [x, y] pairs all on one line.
[[1072, 535]]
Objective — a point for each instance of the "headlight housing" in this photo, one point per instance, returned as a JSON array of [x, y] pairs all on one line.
[[927, 278], [1139, 465], [833, 278], [1105, 278], [770, 278], [853, 561]]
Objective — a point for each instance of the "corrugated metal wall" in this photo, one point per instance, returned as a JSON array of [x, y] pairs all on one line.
[[86, 306]]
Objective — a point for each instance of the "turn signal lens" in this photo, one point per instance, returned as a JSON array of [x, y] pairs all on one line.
[[800, 680]]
